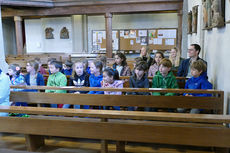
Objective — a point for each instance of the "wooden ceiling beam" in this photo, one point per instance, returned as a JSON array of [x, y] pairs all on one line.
[[27, 3], [98, 9], [58, 3]]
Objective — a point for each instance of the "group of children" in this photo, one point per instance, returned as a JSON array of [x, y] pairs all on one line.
[[97, 74]]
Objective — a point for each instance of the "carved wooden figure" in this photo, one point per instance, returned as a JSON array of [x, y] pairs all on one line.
[[49, 34], [208, 5], [64, 34], [217, 15], [205, 14], [194, 19], [189, 22]]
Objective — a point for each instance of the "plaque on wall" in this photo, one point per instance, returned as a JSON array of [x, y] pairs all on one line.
[[49, 33], [64, 34]]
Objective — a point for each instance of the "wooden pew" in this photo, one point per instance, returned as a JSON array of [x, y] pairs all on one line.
[[181, 81], [167, 128], [23, 59]]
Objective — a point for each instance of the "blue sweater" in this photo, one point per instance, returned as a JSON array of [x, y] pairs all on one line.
[[200, 82], [39, 80], [95, 81]]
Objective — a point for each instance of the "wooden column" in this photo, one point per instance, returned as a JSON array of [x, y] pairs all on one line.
[[179, 42], [19, 38], [108, 27]]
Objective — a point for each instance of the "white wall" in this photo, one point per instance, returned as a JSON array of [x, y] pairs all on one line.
[[216, 52], [80, 28], [9, 36], [35, 35], [3, 64], [132, 21]]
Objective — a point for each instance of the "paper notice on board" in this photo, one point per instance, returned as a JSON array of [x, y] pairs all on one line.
[[167, 33], [138, 40], [150, 41], [122, 33], [157, 41], [142, 33], [171, 33], [103, 34], [131, 42], [94, 38], [114, 34], [169, 42], [161, 34], [132, 33], [115, 44]]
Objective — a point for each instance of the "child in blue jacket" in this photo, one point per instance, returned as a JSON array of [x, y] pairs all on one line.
[[95, 77], [199, 80]]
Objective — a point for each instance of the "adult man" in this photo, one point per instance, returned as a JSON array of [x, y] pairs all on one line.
[[193, 53]]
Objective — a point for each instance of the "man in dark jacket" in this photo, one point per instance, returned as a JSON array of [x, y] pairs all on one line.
[[184, 68]]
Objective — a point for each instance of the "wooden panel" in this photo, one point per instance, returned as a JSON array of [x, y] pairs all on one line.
[[162, 90], [181, 135], [123, 100], [94, 9], [137, 115]]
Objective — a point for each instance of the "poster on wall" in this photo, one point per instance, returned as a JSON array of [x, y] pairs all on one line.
[[132, 33], [143, 40], [126, 34], [142, 33]]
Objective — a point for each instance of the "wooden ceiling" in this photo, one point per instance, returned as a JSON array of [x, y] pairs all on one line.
[[28, 8]]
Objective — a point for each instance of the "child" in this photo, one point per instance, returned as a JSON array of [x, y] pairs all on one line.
[[145, 55], [111, 80], [156, 63], [164, 78], [79, 78], [41, 70], [4, 91], [56, 79], [175, 58], [86, 66], [48, 63], [16, 79], [33, 77], [96, 76], [67, 68], [139, 80], [199, 80], [103, 59], [136, 60], [121, 65]]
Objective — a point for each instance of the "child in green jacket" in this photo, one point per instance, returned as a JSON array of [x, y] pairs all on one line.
[[164, 78], [56, 79]]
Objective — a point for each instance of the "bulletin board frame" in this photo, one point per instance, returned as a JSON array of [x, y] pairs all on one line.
[[99, 44], [133, 39]]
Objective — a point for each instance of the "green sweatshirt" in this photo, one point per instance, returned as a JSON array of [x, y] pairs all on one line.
[[56, 80], [164, 82]]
